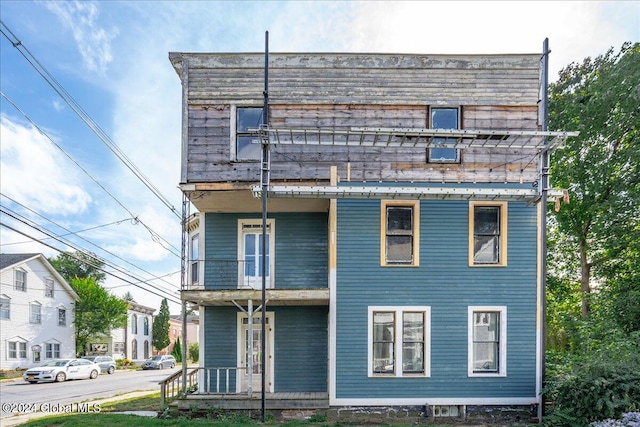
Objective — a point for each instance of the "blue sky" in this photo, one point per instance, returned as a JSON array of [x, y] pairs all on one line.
[[112, 58]]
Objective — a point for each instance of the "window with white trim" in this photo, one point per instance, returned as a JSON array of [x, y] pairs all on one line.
[[246, 118], [487, 341], [62, 316], [35, 312], [48, 287], [145, 325], [195, 239], [134, 324], [399, 341], [250, 268], [444, 118], [488, 234], [399, 232], [5, 307], [52, 351], [20, 280], [16, 350]]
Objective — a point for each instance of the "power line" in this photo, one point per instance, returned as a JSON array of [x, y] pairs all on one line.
[[168, 296], [154, 236], [85, 117], [91, 243]]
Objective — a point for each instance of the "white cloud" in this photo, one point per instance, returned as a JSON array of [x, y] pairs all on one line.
[[94, 42], [36, 174]]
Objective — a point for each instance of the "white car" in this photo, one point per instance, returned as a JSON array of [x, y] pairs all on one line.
[[62, 370]]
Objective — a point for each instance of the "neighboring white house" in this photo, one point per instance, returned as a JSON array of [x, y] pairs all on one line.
[[133, 342], [36, 312]]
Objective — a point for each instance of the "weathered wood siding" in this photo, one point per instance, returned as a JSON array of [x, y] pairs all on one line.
[[301, 248], [446, 283], [334, 91]]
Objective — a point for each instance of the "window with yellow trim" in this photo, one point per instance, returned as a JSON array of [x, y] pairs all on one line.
[[487, 233], [399, 233]]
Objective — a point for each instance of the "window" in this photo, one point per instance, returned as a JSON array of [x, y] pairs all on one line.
[[134, 324], [487, 341], [118, 347], [145, 325], [21, 280], [17, 350], [62, 317], [444, 118], [400, 225], [250, 253], [194, 258], [5, 307], [52, 351], [246, 118], [35, 312], [48, 288], [146, 349], [399, 341], [134, 349], [488, 234]]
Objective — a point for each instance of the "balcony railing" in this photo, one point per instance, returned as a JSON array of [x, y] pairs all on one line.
[[201, 381], [225, 274]]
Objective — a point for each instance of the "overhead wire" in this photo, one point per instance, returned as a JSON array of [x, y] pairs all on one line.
[[84, 116], [86, 240], [80, 250], [154, 236]]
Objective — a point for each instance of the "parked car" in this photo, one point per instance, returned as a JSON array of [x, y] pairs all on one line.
[[160, 362], [62, 370], [107, 364]]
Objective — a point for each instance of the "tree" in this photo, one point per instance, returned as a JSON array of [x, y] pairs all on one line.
[[97, 312], [160, 337], [194, 351], [177, 350], [78, 264], [594, 239], [128, 297]]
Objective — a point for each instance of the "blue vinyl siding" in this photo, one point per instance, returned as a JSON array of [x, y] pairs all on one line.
[[446, 283], [301, 248], [301, 349]]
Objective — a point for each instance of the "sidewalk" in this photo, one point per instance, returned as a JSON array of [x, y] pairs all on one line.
[[17, 420]]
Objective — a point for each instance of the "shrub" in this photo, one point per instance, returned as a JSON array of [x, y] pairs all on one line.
[[194, 351]]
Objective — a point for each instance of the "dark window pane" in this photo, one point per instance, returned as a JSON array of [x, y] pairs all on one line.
[[399, 249], [399, 220], [485, 250], [486, 220]]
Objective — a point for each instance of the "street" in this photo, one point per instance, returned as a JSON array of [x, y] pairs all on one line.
[[20, 397]]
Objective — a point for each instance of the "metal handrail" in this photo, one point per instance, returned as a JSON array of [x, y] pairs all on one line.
[[200, 380]]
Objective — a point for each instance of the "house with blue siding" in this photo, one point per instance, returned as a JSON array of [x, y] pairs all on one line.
[[368, 237]]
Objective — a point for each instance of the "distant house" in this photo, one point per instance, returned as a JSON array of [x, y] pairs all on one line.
[[132, 342], [36, 312], [175, 331]]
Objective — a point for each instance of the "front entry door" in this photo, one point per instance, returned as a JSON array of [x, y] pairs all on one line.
[[251, 352]]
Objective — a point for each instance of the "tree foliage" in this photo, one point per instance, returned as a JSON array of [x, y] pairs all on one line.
[[177, 350], [97, 312], [160, 337], [78, 264], [594, 239]]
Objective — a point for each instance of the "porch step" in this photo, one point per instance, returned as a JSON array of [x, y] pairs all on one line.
[[286, 400]]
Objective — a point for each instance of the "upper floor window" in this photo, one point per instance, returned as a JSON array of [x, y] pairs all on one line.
[[487, 345], [399, 341], [134, 324], [21, 280], [145, 325], [48, 288], [444, 118], [195, 241], [400, 225], [487, 233], [250, 247], [246, 118], [62, 317], [35, 312], [5, 307]]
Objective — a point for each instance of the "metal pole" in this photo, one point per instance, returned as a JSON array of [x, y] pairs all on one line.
[[544, 186], [183, 280], [265, 185]]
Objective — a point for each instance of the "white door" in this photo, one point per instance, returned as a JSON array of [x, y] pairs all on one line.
[[251, 355]]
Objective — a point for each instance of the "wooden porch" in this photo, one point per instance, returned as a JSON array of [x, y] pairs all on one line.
[[273, 401]]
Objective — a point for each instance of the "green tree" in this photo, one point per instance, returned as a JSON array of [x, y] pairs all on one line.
[[194, 351], [97, 312], [128, 297], [160, 338], [177, 350], [78, 264], [594, 238]]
